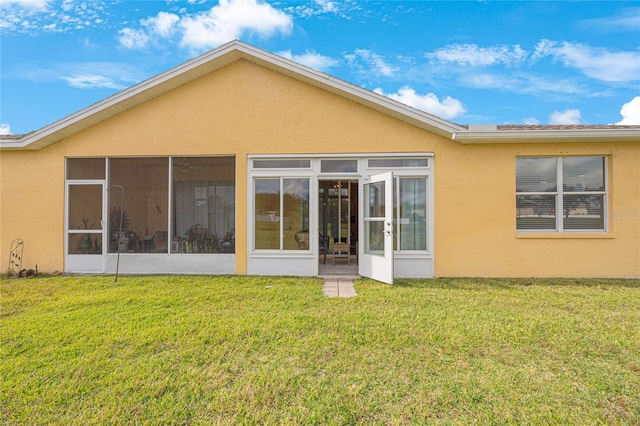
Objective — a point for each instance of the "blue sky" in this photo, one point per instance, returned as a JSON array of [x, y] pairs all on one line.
[[500, 62]]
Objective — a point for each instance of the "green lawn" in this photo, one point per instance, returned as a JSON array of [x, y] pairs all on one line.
[[254, 350]]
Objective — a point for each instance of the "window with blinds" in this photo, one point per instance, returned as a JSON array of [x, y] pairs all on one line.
[[561, 194]]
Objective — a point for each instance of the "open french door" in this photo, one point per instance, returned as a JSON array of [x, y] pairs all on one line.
[[377, 228]]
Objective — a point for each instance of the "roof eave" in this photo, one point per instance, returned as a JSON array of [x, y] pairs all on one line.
[[548, 136]]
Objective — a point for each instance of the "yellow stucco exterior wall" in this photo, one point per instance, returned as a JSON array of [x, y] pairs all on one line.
[[245, 109]]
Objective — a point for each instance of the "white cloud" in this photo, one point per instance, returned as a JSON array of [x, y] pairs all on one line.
[[27, 4], [532, 121], [163, 24], [67, 5], [318, 7], [327, 6], [373, 61], [133, 39], [630, 112], [597, 63], [82, 75], [625, 20], [37, 16], [310, 59], [523, 83], [473, 55], [92, 81], [229, 20], [5, 129], [568, 116], [447, 108]]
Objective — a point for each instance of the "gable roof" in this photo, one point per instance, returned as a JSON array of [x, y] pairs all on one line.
[[236, 50]]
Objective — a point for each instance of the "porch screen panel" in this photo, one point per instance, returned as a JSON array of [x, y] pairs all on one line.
[[85, 168], [85, 219], [267, 214], [203, 205], [145, 212]]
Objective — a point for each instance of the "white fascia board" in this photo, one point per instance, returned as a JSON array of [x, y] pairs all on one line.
[[13, 143], [548, 136]]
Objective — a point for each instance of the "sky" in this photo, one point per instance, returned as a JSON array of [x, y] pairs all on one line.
[[489, 62]]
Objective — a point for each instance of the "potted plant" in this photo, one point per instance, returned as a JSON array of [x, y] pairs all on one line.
[[85, 241], [115, 226], [114, 221]]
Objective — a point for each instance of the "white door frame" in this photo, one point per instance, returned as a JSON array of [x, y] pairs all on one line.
[[406, 264], [376, 262], [79, 262]]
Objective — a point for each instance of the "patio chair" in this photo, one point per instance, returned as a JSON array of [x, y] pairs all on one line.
[[324, 247], [341, 249]]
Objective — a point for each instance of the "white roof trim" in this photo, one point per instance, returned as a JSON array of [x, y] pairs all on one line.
[[236, 50], [549, 136]]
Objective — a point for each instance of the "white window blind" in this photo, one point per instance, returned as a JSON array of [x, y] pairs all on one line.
[[561, 193]]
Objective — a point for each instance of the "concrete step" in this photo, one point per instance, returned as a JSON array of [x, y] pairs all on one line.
[[338, 287]]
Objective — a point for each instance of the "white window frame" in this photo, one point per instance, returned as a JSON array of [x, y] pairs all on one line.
[[559, 198], [408, 263], [396, 217], [251, 205], [420, 172]]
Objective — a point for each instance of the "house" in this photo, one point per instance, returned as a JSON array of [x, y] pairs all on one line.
[[243, 162]]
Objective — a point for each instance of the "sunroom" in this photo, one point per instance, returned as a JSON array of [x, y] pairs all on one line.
[[372, 212]]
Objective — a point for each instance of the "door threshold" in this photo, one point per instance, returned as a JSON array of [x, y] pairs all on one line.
[[340, 275], [341, 270]]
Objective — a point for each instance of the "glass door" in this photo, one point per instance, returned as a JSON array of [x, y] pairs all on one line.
[[337, 218], [84, 228], [377, 247]]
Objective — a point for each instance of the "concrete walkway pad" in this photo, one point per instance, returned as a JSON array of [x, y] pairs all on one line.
[[338, 287]]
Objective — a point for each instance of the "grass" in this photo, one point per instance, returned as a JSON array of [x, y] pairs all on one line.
[[258, 350]]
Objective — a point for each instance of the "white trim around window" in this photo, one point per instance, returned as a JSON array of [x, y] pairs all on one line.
[[566, 194]]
